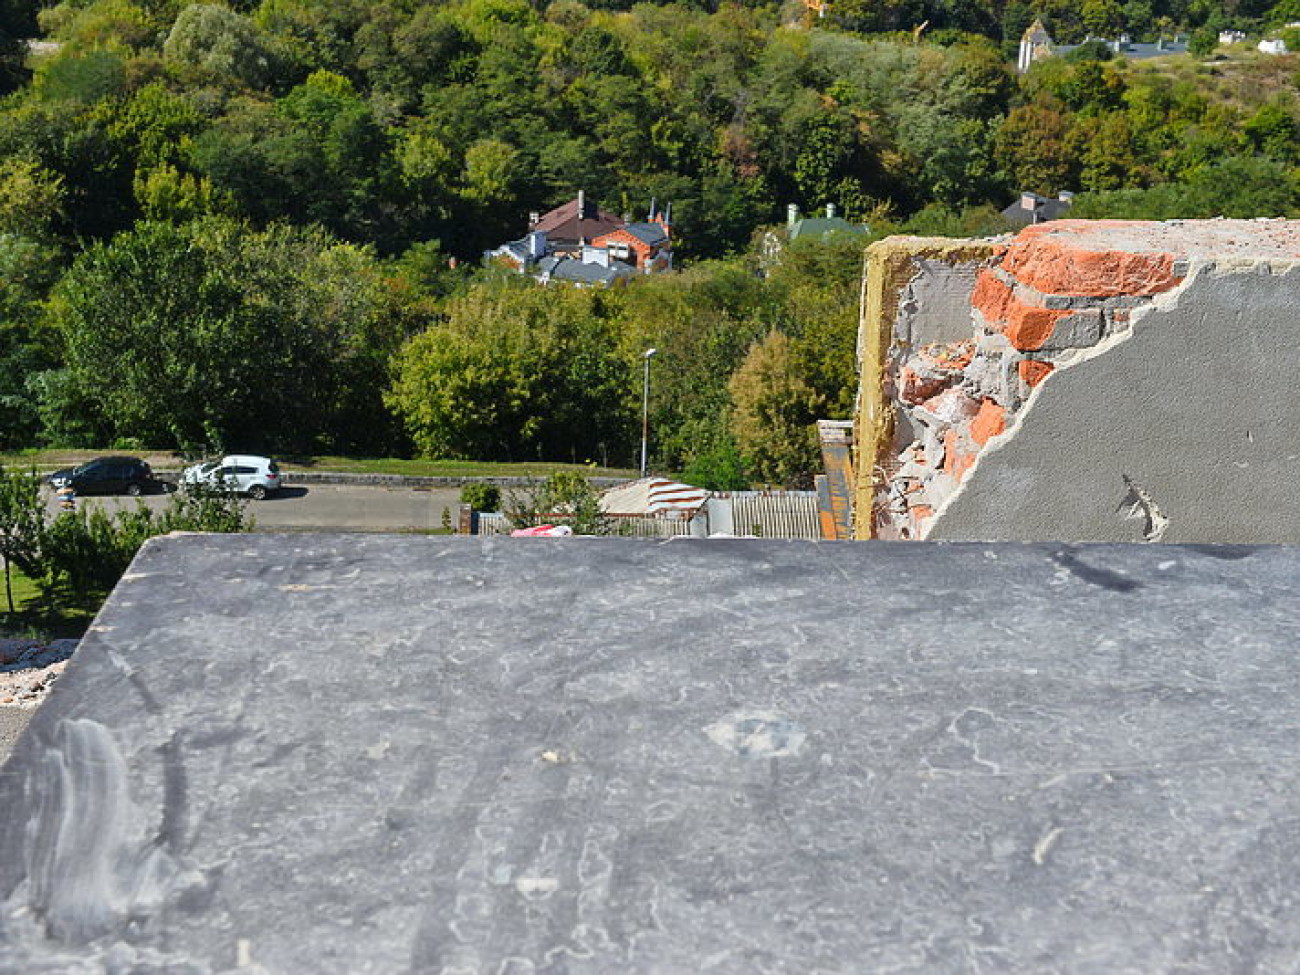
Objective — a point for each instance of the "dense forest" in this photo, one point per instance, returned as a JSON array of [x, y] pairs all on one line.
[[261, 225]]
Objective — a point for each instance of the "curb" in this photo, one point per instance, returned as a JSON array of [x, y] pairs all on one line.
[[416, 483], [408, 481]]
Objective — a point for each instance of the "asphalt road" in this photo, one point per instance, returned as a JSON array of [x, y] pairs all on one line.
[[333, 507]]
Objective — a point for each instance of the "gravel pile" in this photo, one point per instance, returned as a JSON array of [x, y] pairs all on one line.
[[28, 668]]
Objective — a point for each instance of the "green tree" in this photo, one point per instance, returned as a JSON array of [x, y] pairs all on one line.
[[1032, 144], [219, 42], [703, 323], [1202, 42], [31, 198], [83, 77], [1103, 18], [1237, 187], [516, 371], [212, 334], [721, 468], [1274, 132], [774, 414]]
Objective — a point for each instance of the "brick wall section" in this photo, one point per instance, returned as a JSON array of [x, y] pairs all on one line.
[[1051, 259], [890, 266], [1054, 292]]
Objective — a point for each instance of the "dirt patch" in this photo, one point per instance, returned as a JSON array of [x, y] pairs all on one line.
[[28, 668]]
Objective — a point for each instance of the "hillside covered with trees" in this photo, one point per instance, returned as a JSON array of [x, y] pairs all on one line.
[[260, 225]]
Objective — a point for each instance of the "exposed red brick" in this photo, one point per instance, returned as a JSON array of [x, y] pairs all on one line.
[[1028, 328], [913, 388], [1046, 258], [988, 423], [921, 511], [990, 296], [1032, 371], [956, 460], [952, 406], [953, 357]]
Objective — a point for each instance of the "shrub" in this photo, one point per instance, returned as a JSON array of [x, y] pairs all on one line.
[[481, 496], [564, 498], [84, 552]]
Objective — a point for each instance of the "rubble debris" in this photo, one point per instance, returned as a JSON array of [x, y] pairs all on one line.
[[29, 668]]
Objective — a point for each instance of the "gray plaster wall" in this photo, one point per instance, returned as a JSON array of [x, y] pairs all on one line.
[[935, 305], [1185, 429]]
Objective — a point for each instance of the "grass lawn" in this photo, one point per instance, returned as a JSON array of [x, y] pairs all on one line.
[[167, 460], [35, 616]]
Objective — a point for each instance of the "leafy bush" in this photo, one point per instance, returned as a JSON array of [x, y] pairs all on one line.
[[564, 498], [84, 552], [22, 519], [481, 496], [719, 469], [1202, 42]]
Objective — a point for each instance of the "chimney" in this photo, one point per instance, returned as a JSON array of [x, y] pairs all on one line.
[[1065, 196], [653, 211], [830, 211], [792, 214], [537, 244], [582, 205], [533, 219]]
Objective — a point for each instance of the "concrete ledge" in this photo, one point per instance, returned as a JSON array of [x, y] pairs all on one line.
[[350, 754], [416, 483], [395, 480]]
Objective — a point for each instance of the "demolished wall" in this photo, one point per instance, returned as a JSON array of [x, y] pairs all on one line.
[[1104, 381]]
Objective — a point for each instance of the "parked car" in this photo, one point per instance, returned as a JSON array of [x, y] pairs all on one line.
[[242, 473], [107, 475]]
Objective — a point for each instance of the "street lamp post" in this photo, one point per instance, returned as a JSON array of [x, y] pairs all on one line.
[[645, 408]]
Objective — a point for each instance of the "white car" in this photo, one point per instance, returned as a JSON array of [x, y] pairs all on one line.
[[242, 473]]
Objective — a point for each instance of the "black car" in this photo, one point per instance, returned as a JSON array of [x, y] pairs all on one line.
[[107, 475]]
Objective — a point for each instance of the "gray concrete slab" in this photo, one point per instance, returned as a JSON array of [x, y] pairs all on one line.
[[329, 753]]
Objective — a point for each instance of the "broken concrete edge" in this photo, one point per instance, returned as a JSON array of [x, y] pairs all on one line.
[[890, 265], [1138, 499], [990, 446], [942, 387], [978, 399], [949, 403]]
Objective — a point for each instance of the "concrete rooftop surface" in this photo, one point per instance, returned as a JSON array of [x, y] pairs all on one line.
[[1198, 239], [352, 754]]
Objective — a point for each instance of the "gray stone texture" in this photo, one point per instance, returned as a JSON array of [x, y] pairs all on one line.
[[1077, 331], [353, 754], [935, 306], [1194, 405]]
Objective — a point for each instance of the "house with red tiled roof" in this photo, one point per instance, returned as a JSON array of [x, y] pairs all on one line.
[[646, 246], [583, 244], [575, 222]]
